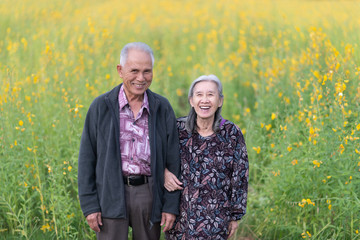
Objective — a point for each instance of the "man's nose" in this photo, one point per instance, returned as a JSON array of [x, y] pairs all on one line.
[[141, 76]]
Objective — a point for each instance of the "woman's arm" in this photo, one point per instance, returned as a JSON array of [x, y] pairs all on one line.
[[171, 181]]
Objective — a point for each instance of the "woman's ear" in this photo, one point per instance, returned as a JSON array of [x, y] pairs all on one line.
[[221, 101], [191, 102]]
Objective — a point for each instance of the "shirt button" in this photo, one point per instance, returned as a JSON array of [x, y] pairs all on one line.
[[131, 158], [133, 139]]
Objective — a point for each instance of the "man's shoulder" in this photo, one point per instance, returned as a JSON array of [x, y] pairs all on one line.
[[100, 100], [157, 97]]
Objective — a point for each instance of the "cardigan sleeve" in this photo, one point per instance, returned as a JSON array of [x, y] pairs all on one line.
[[172, 162], [88, 195]]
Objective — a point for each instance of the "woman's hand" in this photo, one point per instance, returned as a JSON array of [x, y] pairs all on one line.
[[232, 228], [171, 181]]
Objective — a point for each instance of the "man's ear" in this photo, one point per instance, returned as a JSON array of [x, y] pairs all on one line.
[[119, 69]]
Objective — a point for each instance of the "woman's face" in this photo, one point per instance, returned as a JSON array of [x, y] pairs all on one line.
[[206, 99]]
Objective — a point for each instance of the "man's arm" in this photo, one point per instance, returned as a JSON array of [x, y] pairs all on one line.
[[86, 167], [172, 199]]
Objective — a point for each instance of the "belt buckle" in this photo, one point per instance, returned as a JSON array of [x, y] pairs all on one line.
[[128, 180]]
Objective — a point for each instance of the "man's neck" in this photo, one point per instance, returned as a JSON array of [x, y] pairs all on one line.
[[133, 99]]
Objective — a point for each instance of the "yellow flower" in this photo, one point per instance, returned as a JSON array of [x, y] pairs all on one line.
[[236, 117], [289, 148], [45, 227], [21, 123], [179, 92], [317, 163], [273, 116], [294, 162], [257, 149], [342, 148], [283, 128], [312, 131]]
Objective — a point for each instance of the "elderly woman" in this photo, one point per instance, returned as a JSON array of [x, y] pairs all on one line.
[[214, 161]]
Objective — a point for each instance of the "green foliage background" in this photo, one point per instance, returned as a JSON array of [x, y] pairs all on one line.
[[290, 71]]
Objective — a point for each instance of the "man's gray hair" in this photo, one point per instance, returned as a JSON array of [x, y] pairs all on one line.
[[135, 45], [191, 118]]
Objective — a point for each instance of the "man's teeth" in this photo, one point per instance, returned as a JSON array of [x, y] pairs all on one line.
[[204, 107]]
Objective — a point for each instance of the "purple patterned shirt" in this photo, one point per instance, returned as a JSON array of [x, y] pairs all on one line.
[[134, 137]]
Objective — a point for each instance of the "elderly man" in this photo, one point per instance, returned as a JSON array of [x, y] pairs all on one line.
[[129, 138]]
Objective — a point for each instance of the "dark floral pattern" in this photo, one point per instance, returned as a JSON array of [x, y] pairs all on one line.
[[214, 172]]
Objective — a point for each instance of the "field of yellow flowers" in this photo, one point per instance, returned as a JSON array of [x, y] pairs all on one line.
[[291, 73]]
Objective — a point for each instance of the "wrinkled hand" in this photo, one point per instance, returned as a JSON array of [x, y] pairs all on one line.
[[94, 221], [232, 228], [168, 219], [171, 181]]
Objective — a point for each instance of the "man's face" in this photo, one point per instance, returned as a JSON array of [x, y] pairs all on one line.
[[136, 73]]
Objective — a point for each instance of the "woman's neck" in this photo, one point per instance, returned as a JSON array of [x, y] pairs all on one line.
[[205, 126]]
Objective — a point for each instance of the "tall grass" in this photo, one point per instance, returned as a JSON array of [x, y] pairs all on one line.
[[290, 71]]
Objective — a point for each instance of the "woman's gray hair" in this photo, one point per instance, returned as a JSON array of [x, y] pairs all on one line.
[[190, 123], [135, 45]]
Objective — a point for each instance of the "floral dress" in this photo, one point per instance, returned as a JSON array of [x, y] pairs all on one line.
[[214, 172]]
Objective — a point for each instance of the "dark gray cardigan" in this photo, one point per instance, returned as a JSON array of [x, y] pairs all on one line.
[[100, 179]]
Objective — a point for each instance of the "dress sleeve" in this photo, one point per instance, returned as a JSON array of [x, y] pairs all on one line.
[[240, 175]]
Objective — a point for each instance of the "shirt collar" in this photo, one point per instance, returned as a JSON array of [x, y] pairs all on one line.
[[123, 100]]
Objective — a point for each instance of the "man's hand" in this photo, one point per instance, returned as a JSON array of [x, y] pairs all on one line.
[[232, 228], [94, 221], [171, 181], [168, 219]]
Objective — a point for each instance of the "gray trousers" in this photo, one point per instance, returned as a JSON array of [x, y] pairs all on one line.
[[138, 206]]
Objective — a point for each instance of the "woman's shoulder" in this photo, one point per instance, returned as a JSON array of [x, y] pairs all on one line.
[[181, 125], [230, 127], [181, 122]]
